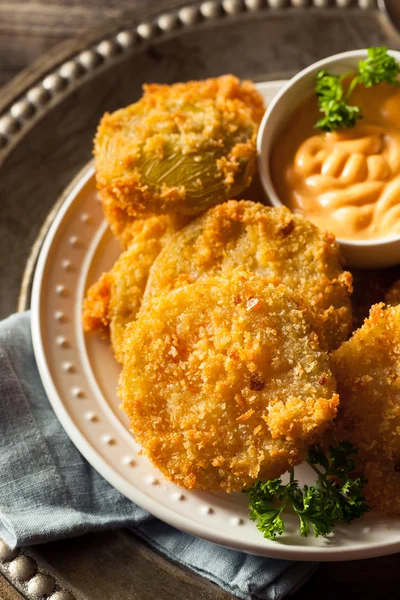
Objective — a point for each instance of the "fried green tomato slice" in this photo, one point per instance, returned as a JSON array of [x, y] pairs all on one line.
[[224, 382], [180, 149], [270, 241], [367, 373], [114, 300]]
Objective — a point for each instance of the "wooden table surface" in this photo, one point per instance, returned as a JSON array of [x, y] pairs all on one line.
[[29, 28]]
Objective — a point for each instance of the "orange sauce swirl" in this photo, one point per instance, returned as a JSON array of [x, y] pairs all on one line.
[[346, 181]]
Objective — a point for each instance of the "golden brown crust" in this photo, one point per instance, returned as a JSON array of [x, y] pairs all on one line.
[[95, 315], [123, 227], [224, 382], [367, 372], [269, 241], [115, 299], [181, 148]]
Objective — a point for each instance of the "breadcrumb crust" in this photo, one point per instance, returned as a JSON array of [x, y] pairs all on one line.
[[180, 149], [271, 241], [114, 300], [224, 382], [368, 376]]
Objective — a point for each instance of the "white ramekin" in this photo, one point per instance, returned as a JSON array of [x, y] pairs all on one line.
[[358, 253]]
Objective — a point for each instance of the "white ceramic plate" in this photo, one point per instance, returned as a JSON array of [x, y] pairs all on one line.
[[80, 376]]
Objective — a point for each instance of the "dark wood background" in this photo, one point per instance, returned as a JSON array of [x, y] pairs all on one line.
[[28, 29]]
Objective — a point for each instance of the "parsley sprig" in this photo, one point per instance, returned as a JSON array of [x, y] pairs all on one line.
[[336, 497], [378, 67]]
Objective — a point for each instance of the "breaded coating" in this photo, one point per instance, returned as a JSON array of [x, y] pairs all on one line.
[[270, 241], [125, 227], [392, 296], [122, 226], [224, 382], [114, 300], [180, 149], [368, 377]]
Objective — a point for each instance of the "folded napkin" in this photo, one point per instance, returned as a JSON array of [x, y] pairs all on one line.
[[49, 491]]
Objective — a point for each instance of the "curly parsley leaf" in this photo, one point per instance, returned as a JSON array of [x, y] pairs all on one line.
[[337, 112], [378, 67], [336, 497], [261, 498]]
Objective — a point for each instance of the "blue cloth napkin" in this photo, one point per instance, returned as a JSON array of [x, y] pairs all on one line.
[[49, 491]]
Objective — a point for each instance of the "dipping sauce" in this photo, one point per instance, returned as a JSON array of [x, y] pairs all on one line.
[[346, 181]]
